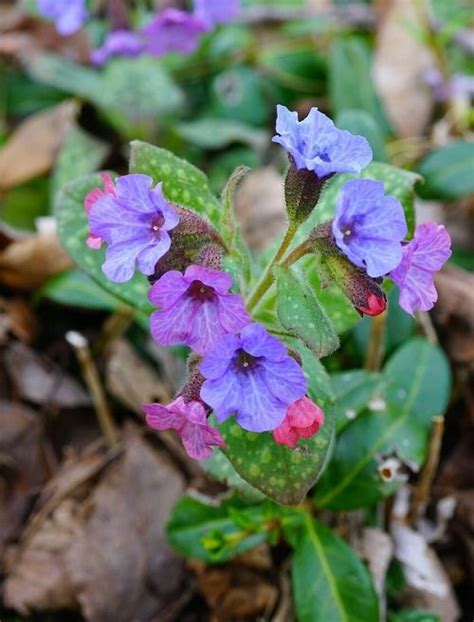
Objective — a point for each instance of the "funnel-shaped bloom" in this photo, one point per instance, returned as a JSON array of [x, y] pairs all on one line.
[[318, 145], [68, 15], [213, 12], [253, 377], [196, 308], [422, 258], [190, 422], [134, 222], [369, 226]]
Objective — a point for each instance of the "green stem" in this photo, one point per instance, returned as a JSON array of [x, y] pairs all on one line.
[[267, 277]]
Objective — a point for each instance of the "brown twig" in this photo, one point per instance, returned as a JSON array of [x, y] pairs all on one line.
[[91, 377], [422, 491]]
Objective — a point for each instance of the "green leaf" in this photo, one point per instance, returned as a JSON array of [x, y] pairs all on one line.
[[361, 122], [418, 385], [330, 583], [448, 172], [413, 615], [73, 232], [219, 133], [76, 289], [283, 474], [351, 86], [353, 391], [183, 183], [221, 469], [133, 93], [301, 314], [80, 155], [217, 533]]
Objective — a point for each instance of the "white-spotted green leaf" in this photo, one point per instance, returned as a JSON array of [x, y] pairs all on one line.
[[301, 314], [183, 183]]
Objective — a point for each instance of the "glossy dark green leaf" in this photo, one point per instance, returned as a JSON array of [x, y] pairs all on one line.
[[418, 386], [330, 583], [73, 231], [413, 615], [353, 390], [183, 183], [301, 314], [216, 533], [448, 171], [351, 86]]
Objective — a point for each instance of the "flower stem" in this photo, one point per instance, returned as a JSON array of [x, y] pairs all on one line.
[[267, 278], [375, 350]]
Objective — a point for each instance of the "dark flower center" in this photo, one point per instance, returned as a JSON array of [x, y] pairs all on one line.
[[157, 222], [244, 361], [199, 291], [324, 157], [349, 230]]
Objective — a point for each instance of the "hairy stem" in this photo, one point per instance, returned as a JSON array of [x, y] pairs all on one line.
[[267, 278]]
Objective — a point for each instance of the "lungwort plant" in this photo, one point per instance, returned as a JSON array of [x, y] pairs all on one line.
[[258, 406]]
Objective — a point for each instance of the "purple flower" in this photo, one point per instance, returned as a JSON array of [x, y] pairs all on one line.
[[369, 226], [135, 223], [173, 30], [68, 15], [118, 43], [195, 308], [253, 377], [213, 12], [190, 422], [422, 257], [316, 144]]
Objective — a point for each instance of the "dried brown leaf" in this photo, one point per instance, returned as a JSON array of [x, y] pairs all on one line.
[[399, 64], [101, 545], [260, 207], [39, 380], [17, 318], [28, 261], [32, 147]]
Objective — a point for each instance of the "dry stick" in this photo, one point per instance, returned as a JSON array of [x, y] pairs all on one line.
[[114, 327], [92, 380], [376, 347], [422, 491]]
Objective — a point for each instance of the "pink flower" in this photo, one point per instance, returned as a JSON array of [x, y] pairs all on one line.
[[422, 258], [190, 422], [303, 420], [94, 241], [196, 308]]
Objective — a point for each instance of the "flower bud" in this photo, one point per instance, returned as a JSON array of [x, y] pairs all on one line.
[[303, 420], [193, 242], [302, 191]]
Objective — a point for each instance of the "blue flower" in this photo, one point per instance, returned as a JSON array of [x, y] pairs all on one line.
[[134, 221], [68, 15], [369, 226], [316, 144], [253, 377]]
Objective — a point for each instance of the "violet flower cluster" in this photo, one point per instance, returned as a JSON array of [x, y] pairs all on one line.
[[369, 228], [237, 368], [68, 15], [170, 30], [244, 371]]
